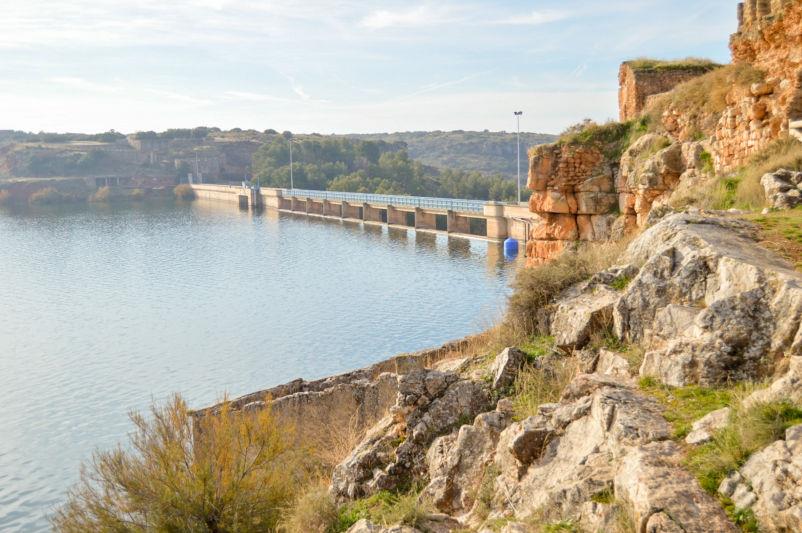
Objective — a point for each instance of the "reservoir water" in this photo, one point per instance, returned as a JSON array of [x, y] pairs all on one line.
[[103, 310]]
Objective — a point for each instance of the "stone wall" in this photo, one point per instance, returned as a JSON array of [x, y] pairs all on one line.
[[636, 84], [573, 191]]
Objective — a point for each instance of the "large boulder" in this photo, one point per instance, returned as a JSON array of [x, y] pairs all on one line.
[[429, 403], [709, 304], [586, 307], [561, 457], [458, 462], [505, 367], [770, 483], [665, 497], [783, 188]]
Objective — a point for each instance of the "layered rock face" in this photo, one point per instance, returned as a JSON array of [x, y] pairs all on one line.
[[769, 38], [573, 191], [637, 84]]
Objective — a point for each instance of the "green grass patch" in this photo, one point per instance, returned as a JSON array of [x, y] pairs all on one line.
[[781, 232], [562, 526], [385, 508], [749, 430], [537, 346], [603, 496], [621, 283], [685, 405]]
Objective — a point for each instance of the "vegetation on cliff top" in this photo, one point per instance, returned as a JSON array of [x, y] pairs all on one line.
[[648, 63], [612, 138], [703, 98]]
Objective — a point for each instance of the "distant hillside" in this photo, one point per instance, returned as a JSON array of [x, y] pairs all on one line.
[[490, 152]]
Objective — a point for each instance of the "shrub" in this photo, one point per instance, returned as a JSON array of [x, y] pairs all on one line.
[[229, 471], [536, 288], [184, 192], [50, 196], [137, 194], [104, 194], [5, 197]]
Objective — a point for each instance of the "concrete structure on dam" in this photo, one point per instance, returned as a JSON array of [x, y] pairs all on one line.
[[470, 218]]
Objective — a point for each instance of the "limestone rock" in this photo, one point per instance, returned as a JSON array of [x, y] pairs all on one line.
[[569, 451], [581, 309], [748, 302], [787, 388], [770, 483], [783, 188], [506, 366], [364, 526], [428, 403], [703, 429], [612, 364], [665, 497], [458, 462]]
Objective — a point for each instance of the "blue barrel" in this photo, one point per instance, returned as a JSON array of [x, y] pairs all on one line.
[[510, 248]]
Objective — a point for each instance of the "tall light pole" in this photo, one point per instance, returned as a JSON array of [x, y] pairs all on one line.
[[518, 120], [292, 184]]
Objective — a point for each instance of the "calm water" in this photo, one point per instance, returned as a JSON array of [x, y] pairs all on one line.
[[103, 310]]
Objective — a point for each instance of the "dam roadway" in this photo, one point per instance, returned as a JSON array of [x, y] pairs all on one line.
[[493, 221]]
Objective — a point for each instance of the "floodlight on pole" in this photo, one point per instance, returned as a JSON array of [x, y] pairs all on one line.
[[518, 120]]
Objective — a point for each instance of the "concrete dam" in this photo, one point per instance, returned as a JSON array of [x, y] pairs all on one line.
[[494, 221]]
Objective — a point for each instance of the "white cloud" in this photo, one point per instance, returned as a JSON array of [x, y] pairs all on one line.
[[254, 97], [537, 18], [179, 97], [83, 85], [423, 15]]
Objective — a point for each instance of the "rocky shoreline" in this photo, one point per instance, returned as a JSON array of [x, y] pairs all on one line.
[[705, 304]]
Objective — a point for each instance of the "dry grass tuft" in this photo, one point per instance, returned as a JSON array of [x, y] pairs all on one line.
[[537, 287], [331, 443], [539, 384], [313, 512], [647, 63], [705, 96]]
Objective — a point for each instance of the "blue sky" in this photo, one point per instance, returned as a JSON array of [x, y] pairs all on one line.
[[334, 66]]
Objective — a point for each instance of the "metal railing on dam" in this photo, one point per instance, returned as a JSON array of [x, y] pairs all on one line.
[[452, 204]]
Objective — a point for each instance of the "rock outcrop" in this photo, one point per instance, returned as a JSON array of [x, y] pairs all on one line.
[[428, 403], [783, 188], [770, 483], [708, 304]]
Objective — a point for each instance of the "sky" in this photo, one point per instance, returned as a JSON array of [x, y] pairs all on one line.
[[335, 66]]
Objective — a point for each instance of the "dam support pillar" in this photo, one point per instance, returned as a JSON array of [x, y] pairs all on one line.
[[458, 224], [425, 219]]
